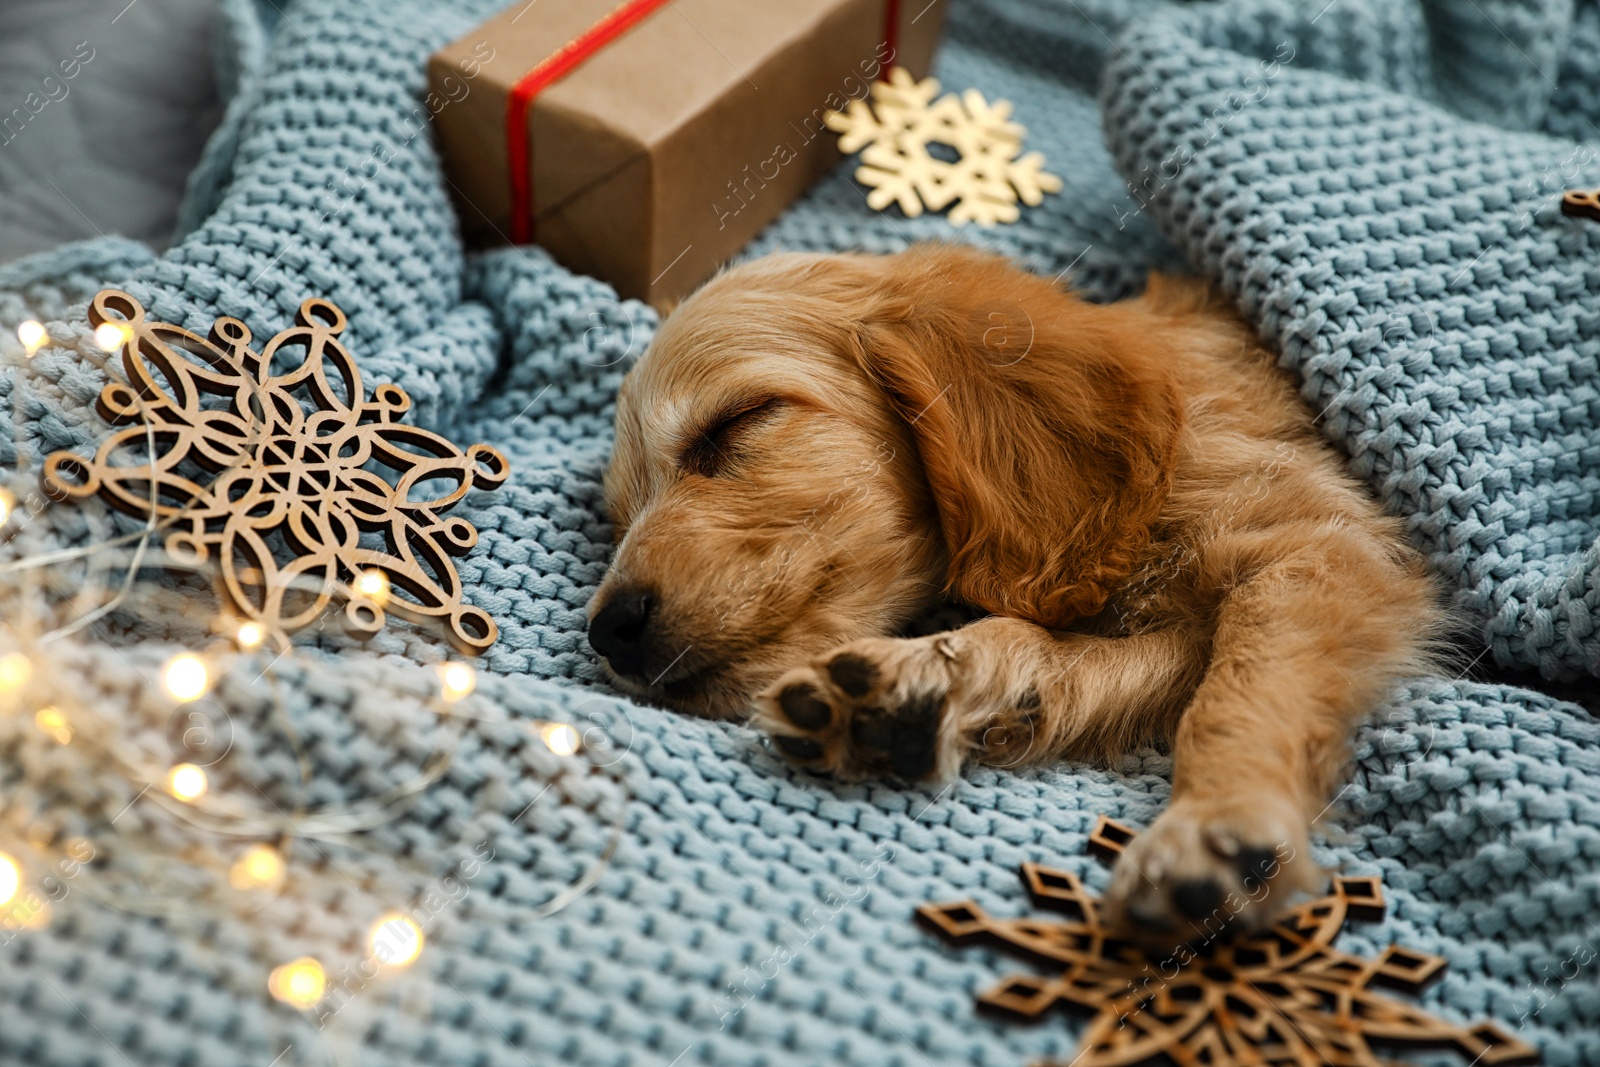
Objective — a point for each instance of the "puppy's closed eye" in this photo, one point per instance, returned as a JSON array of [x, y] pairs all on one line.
[[715, 448]]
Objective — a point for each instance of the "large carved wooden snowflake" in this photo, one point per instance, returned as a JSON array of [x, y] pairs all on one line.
[[1283, 997], [260, 457], [896, 134]]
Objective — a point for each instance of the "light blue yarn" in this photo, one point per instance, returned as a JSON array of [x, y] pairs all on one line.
[[1359, 213]]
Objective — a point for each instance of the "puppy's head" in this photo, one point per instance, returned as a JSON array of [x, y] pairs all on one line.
[[817, 448]]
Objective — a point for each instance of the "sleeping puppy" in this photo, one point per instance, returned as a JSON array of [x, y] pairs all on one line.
[[819, 448]]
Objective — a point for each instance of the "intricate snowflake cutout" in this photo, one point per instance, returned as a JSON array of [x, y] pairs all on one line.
[[981, 184], [1285, 997], [253, 456]]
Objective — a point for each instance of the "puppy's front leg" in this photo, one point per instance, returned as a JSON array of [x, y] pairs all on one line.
[[1306, 644], [1000, 690]]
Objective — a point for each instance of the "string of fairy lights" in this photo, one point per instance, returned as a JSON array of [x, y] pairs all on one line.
[[255, 860]]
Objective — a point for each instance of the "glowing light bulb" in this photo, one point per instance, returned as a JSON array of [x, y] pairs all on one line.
[[560, 738], [250, 635], [33, 335], [396, 940], [15, 670], [109, 336], [187, 782], [8, 504], [54, 724], [186, 677], [260, 867], [374, 585], [10, 878], [459, 679], [299, 983]]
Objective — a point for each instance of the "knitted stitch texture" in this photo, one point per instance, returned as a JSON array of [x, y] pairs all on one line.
[[1406, 258]]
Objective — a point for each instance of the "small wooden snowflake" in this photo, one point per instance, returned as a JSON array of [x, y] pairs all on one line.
[[896, 135], [277, 466], [1285, 997], [1581, 203]]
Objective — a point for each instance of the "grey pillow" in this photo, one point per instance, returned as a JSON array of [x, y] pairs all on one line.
[[105, 106]]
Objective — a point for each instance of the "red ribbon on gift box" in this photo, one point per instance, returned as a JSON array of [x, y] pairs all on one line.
[[567, 59]]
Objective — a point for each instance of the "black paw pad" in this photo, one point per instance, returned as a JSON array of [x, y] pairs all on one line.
[[1147, 918], [906, 738], [804, 708], [1256, 866], [855, 675], [798, 747], [1197, 899]]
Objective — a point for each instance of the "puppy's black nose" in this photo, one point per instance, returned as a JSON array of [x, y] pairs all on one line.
[[620, 630]]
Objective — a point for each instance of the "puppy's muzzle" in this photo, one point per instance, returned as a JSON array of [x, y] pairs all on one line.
[[623, 631]]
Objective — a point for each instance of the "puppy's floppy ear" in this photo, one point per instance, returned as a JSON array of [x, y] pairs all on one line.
[[1047, 426]]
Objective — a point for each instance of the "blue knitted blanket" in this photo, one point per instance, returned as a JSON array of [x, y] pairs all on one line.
[[1375, 184]]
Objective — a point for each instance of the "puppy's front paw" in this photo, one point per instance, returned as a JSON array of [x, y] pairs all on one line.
[[1208, 868], [875, 707]]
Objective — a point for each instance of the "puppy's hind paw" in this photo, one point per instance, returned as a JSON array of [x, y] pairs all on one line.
[[870, 708]]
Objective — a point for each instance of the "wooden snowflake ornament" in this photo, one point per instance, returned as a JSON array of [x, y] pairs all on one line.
[[1581, 203], [1282, 998], [894, 135], [268, 464]]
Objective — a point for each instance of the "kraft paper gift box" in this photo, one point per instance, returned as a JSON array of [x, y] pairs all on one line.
[[646, 142]]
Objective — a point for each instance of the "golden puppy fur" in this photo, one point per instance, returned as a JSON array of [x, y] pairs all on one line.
[[818, 448]]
